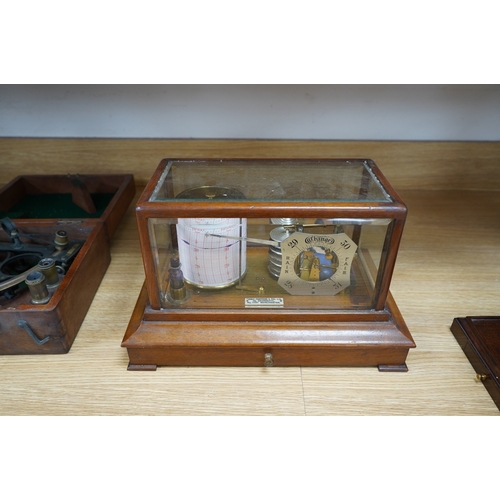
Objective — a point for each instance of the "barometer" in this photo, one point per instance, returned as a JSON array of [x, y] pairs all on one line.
[[268, 262], [316, 264]]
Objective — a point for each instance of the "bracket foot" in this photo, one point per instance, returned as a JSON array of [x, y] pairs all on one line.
[[143, 368], [393, 368]]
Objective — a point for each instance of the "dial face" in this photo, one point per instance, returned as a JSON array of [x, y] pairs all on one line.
[[316, 264]]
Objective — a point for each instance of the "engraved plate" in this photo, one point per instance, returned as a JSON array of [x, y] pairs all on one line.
[[264, 302]]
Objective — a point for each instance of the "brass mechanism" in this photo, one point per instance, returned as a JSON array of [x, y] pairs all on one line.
[[260, 290], [177, 293], [61, 240], [48, 268], [38, 287]]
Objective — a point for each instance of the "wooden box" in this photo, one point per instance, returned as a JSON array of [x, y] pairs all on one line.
[[87, 210], [479, 338], [268, 263]]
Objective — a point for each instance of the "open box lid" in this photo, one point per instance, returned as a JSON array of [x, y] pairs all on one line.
[[90, 198]]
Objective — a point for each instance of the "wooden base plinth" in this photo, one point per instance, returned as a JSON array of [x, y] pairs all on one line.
[[384, 344]]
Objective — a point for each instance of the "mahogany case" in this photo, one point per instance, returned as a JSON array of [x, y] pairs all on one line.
[[89, 209], [479, 338], [237, 306]]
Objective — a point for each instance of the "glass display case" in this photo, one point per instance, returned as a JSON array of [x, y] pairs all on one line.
[[268, 262]]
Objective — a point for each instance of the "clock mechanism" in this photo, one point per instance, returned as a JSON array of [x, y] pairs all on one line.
[[305, 263]]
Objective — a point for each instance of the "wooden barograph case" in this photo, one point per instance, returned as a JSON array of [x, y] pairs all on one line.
[[54, 250], [268, 263]]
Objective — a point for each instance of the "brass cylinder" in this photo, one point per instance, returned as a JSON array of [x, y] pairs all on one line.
[[61, 239], [37, 287], [178, 294], [177, 290], [48, 268]]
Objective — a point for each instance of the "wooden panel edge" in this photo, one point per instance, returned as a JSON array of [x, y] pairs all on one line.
[[406, 164]]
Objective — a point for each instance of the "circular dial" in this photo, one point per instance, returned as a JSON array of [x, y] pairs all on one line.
[[316, 264]]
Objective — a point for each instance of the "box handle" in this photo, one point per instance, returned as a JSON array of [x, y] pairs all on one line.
[[24, 324]]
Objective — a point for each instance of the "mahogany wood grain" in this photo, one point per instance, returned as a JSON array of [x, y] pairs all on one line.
[[446, 268], [479, 337], [407, 165]]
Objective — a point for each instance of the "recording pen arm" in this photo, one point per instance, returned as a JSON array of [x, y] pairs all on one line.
[[250, 240]]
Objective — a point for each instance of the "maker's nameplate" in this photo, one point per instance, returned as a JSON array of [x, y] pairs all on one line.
[[264, 302]]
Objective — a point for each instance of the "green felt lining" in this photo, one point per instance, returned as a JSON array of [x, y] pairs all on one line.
[[56, 206]]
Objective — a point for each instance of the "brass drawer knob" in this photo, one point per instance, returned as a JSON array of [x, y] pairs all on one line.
[[481, 377], [268, 359]]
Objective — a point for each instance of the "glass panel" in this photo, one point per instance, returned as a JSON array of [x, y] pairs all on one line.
[[270, 180], [295, 264]]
